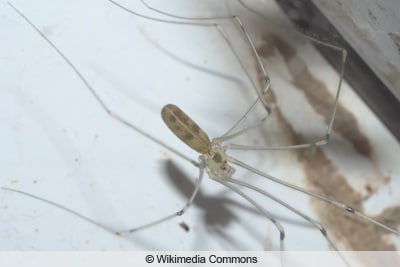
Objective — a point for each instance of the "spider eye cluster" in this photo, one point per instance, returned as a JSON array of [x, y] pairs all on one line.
[[217, 164]]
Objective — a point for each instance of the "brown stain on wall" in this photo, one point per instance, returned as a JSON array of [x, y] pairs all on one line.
[[321, 174], [318, 95], [396, 39], [323, 177]]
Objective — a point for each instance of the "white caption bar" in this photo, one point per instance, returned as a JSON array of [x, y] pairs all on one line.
[[194, 258]]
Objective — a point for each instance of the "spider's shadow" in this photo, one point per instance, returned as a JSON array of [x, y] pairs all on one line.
[[217, 209], [217, 214]]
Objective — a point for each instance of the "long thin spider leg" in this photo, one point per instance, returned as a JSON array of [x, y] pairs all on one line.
[[250, 9], [194, 66], [254, 126], [152, 18], [259, 148], [326, 139], [260, 92], [64, 208], [250, 42], [243, 30], [258, 59], [339, 88], [180, 17], [321, 142], [98, 98], [228, 134], [315, 195], [108, 229], [318, 225], [286, 205], [260, 209], [173, 215]]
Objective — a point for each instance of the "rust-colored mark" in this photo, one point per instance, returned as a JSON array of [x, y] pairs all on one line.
[[372, 188], [368, 188], [166, 155], [184, 226]]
